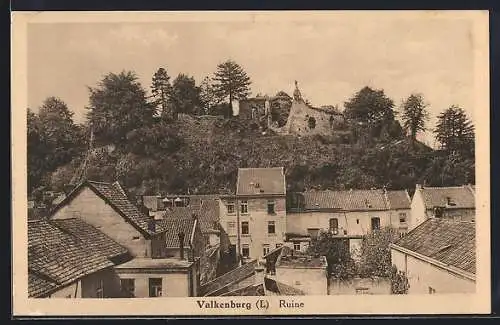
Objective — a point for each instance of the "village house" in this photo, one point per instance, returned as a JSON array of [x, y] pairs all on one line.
[[160, 266], [255, 217], [457, 203], [438, 256], [349, 214], [68, 258]]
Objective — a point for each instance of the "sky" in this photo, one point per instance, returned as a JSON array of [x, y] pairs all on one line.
[[330, 58]]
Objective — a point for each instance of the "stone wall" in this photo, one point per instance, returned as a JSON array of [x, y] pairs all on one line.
[[306, 120]]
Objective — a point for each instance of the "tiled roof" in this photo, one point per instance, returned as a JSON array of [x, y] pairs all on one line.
[[461, 196], [233, 276], [209, 215], [351, 200], [56, 255], [117, 197], [447, 241], [253, 181], [399, 199], [251, 290], [281, 288], [173, 226], [91, 237], [38, 285]]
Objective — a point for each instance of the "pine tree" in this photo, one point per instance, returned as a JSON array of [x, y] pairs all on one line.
[[414, 115], [454, 131], [231, 82], [161, 90]]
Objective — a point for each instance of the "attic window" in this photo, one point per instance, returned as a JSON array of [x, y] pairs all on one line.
[[449, 201]]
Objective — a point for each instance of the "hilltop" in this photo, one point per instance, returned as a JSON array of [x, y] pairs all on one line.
[[202, 155]]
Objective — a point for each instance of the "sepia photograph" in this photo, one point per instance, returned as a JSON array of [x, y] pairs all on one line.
[[260, 163]]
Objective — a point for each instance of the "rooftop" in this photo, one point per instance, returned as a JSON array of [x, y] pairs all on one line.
[[172, 226], [355, 200], [450, 242], [62, 252], [261, 181], [460, 197], [155, 263], [289, 258], [236, 275]]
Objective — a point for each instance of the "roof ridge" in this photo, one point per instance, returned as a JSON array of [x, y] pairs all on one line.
[[99, 182]]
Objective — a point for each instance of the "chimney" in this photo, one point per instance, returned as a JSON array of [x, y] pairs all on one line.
[[181, 244]]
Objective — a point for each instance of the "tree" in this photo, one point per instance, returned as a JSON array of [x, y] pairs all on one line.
[[454, 131], [414, 115], [369, 106], [370, 111], [336, 250], [161, 90], [117, 106], [280, 108], [53, 140], [185, 96], [399, 282], [208, 97], [231, 81], [375, 256]]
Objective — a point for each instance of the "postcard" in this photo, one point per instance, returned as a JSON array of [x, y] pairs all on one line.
[[250, 163]]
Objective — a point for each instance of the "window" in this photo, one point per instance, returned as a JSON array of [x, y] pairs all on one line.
[[245, 250], [334, 224], [230, 208], [244, 206], [402, 217], [244, 228], [432, 290], [128, 287], [296, 246], [135, 238], [271, 227], [99, 291], [357, 221], [375, 223], [278, 245], [155, 289], [231, 227], [270, 207], [265, 249], [313, 232]]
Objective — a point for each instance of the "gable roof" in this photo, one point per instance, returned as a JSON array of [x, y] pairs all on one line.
[[91, 237], [173, 226], [115, 196], [59, 256], [350, 200], [261, 181], [398, 199], [209, 215], [234, 276], [462, 196], [356, 200], [450, 242]]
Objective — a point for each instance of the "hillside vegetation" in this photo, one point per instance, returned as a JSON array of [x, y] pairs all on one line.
[[195, 148]]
